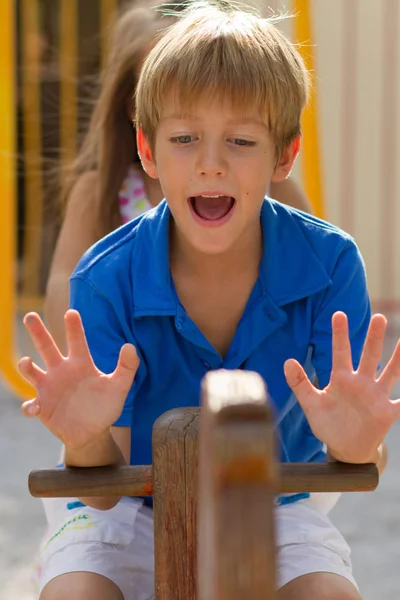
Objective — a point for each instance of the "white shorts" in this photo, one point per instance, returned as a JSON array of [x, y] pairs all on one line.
[[118, 544]]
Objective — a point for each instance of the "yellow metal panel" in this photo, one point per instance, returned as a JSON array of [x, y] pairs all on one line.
[[69, 78], [311, 153], [32, 146], [108, 10], [8, 226], [30, 303]]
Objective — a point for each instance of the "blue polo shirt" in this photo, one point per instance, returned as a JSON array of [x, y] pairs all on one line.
[[124, 292]]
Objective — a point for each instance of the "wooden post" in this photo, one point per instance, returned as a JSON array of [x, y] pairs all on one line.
[[175, 499], [236, 489]]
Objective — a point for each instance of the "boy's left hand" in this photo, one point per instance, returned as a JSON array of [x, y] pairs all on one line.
[[353, 414]]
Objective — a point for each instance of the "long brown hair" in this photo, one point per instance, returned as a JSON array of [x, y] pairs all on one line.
[[109, 146]]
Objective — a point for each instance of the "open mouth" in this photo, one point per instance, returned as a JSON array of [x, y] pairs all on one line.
[[214, 209]]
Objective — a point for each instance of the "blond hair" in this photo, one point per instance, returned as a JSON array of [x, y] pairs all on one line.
[[217, 48], [109, 146]]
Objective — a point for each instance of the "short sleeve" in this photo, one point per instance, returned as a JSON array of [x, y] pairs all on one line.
[[348, 293], [105, 334]]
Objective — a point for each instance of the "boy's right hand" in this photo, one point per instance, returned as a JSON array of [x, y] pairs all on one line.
[[75, 401]]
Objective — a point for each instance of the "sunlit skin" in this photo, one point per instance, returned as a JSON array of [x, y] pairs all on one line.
[[214, 150]]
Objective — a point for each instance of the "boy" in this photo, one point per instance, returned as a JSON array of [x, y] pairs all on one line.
[[216, 276]]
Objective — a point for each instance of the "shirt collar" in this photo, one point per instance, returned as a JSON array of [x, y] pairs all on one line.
[[153, 289], [290, 269]]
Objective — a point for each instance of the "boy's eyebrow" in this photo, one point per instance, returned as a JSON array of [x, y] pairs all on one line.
[[247, 121], [179, 117], [238, 121]]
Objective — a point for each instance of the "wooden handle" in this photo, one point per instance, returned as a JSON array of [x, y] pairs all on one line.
[[92, 481], [327, 477], [137, 481]]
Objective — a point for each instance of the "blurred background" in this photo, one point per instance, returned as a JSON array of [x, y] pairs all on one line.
[[51, 52]]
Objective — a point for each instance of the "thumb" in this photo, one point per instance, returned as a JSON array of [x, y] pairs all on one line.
[[31, 408], [299, 383], [128, 363]]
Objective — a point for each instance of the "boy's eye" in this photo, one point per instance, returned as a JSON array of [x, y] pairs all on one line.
[[182, 139], [241, 142]]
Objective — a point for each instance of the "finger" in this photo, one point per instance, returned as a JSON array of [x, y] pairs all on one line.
[[75, 335], [341, 349], [43, 341], [391, 373], [372, 351], [31, 372], [127, 366], [31, 408], [300, 385]]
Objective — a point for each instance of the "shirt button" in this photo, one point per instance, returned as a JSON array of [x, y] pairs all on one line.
[[206, 364]]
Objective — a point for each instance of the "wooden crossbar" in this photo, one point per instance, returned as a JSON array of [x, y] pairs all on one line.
[[138, 481]]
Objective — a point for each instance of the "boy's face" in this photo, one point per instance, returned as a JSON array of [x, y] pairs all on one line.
[[214, 166]]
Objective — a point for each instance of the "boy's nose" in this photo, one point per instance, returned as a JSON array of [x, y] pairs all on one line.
[[211, 161]]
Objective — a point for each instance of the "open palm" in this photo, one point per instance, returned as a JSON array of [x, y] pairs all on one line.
[[74, 400], [353, 414]]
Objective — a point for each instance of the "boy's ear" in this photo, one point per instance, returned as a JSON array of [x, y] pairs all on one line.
[[286, 161], [146, 155]]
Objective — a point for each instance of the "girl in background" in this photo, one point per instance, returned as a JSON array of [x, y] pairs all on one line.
[[106, 186]]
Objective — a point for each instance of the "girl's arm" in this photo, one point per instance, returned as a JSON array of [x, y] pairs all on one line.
[[78, 233], [290, 192]]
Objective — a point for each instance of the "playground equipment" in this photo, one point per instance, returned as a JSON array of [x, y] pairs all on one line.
[[31, 71], [8, 221], [214, 480]]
